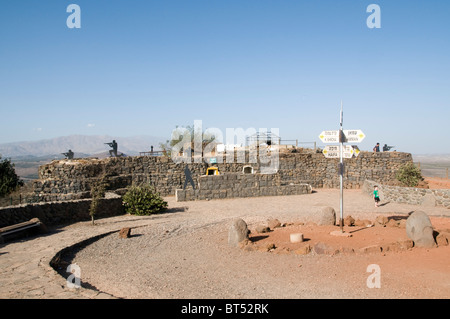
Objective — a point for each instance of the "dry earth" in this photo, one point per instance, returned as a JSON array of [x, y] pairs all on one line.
[[438, 182], [185, 254]]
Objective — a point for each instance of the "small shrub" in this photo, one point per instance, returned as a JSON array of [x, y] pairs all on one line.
[[409, 175], [9, 181], [143, 200], [98, 190]]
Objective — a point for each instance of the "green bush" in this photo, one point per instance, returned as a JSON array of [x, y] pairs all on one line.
[[409, 175], [143, 200], [9, 181]]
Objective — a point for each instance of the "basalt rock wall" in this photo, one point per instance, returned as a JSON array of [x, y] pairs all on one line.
[[72, 179]]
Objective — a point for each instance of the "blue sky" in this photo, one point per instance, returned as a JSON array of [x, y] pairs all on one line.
[[143, 67]]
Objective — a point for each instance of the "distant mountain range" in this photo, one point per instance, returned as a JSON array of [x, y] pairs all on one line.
[[81, 145]]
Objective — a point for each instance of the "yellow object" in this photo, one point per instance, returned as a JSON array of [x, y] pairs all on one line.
[[212, 171]]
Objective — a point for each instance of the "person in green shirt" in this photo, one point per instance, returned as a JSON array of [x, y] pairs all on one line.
[[376, 196]]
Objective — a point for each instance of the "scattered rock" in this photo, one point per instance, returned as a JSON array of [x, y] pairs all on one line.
[[262, 229], [238, 232], [420, 230], [246, 245], [125, 232], [268, 247], [442, 239], [406, 244], [392, 223], [363, 223], [349, 221], [370, 249], [273, 223], [304, 250], [346, 250], [381, 220], [398, 246], [390, 247]]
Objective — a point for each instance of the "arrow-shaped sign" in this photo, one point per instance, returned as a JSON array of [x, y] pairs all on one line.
[[354, 136], [351, 136], [329, 136], [332, 151]]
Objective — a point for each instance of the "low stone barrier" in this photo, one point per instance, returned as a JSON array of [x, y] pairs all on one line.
[[410, 195], [240, 185], [58, 213]]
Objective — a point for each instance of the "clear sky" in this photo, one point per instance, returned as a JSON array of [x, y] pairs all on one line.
[[143, 67]]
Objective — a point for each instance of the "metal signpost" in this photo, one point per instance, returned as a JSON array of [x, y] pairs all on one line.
[[341, 151]]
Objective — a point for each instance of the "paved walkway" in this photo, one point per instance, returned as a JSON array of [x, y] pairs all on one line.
[[25, 270]]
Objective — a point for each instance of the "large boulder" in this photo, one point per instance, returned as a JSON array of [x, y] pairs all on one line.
[[420, 230], [238, 232], [324, 215]]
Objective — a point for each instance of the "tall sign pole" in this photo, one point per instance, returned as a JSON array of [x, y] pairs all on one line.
[[341, 170], [341, 151]]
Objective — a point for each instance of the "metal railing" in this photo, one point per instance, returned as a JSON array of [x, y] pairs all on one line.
[[152, 153]]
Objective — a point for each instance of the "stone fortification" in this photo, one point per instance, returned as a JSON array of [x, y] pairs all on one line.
[[72, 179], [240, 185]]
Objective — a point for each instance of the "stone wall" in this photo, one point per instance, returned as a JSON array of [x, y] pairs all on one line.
[[410, 195], [232, 185], [57, 213], [72, 179]]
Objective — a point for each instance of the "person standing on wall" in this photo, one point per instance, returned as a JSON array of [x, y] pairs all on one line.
[[377, 148]]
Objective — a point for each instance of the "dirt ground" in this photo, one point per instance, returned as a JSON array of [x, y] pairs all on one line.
[[185, 254], [363, 239], [438, 182]]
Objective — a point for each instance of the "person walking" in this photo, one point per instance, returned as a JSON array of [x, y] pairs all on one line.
[[376, 196]]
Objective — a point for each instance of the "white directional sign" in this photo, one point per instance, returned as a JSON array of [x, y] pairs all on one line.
[[354, 136], [329, 136], [332, 151], [351, 136], [356, 150], [348, 151]]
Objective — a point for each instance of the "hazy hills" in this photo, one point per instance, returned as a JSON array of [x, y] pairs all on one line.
[[81, 145], [28, 156]]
